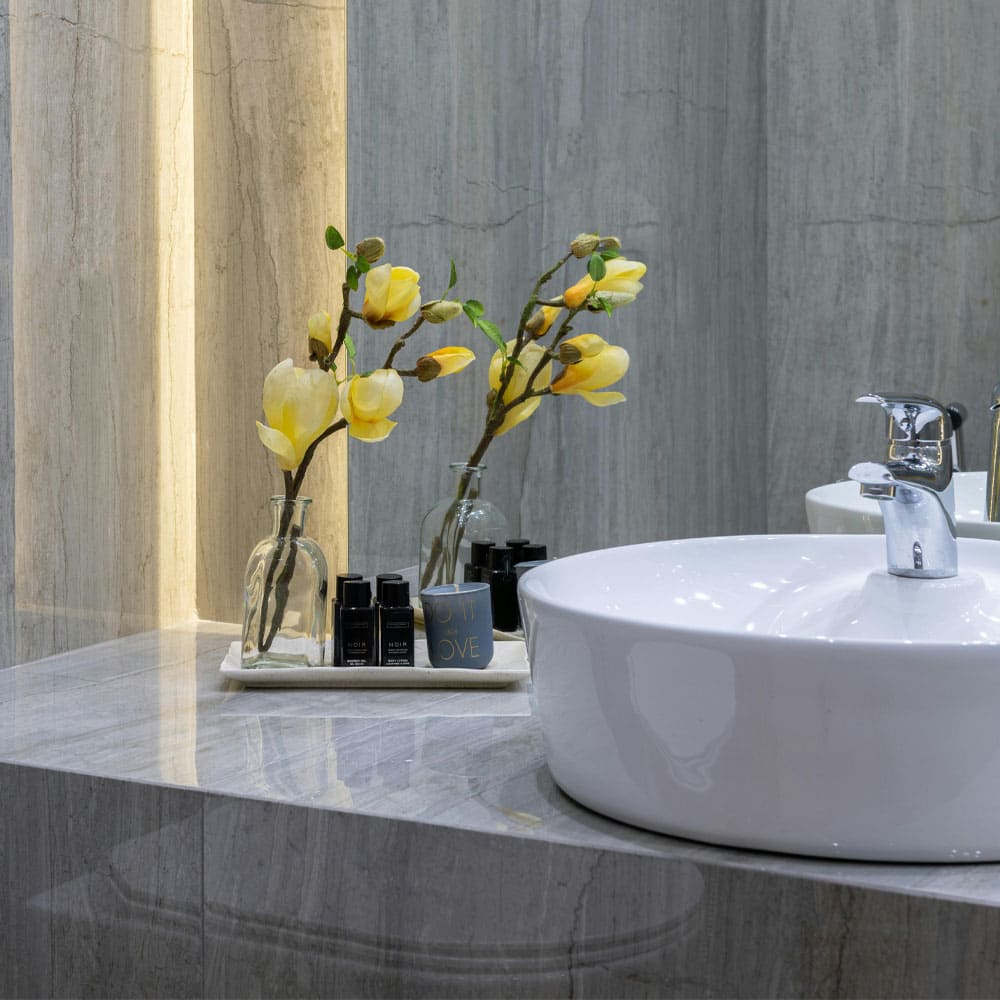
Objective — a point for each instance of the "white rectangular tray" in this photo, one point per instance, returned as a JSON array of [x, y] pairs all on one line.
[[509, 665]]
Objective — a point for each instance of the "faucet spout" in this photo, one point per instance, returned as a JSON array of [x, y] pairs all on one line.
[[914, 487], [919, 522]]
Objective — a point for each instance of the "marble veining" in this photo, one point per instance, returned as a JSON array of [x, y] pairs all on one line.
[[202, 839]]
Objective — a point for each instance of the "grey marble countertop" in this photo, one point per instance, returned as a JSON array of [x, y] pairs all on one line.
[[154, 708]]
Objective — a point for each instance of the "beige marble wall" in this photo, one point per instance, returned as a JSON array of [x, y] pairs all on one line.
[[174, 167], [269, 153], [103, 308], [6, 356]]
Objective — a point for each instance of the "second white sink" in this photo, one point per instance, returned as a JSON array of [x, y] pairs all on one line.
[[839, 508]]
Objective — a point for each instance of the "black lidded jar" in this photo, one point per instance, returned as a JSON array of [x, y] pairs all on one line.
[[503, 589], [357, 625], [395, 625], [477, 570]]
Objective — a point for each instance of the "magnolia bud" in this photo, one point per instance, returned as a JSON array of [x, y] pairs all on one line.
[[570, 354], [317, 350], [428, 368], [371, 249], [584, 245], [440, 310], [540, 321], [610, 243], [491, 398]]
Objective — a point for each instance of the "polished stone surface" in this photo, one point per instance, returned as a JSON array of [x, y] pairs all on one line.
[[169, 833]]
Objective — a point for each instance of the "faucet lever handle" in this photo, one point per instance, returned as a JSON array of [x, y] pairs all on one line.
[[913, 418]]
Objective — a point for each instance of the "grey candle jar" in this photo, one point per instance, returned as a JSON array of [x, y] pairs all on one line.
[[459, 624]]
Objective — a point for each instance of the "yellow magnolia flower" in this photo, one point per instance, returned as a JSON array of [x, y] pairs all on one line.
[[320, 331], [298, 405], [619, 286], [392, 294], [530, 355], [443, 361], [366, 402], [600, 365]]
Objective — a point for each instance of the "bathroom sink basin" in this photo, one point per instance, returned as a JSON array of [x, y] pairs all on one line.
[[775, 692], [840, 508]]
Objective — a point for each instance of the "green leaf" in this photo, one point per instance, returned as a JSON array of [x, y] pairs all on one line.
[[474, 309], [352, 351], [595, 267], [453, 280], [363, 264], [333, 238], [610, 253], [351, 278], [606, 305], [493, 332]]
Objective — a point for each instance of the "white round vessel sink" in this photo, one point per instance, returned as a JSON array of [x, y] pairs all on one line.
[[775, 692]]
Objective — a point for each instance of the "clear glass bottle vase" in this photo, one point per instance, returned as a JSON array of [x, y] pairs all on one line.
[[284, 594], [453, 524]]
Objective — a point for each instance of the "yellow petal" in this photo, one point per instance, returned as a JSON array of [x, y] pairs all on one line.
[[602, 398], [595, 372], [377, 430], [518, 415], [277, 442], [403, 295], [452, 359], [376, 292]]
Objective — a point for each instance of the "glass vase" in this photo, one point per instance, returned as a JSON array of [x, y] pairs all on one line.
[[453, 524], [284, 594]]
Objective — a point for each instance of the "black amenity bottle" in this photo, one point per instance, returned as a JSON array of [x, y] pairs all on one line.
[[337, 657], [395, 625]]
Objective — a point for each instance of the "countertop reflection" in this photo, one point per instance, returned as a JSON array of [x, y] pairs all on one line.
[[154, 708]]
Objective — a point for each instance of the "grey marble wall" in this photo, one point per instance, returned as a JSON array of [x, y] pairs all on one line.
[[883, 226], [494, 133], [813, 186], [6, 354]]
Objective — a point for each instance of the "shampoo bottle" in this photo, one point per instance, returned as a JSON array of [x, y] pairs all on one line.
[[357, 621], [337, 657]]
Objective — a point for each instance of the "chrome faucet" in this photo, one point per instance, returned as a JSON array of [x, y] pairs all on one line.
[[992, 512], [914, 487]]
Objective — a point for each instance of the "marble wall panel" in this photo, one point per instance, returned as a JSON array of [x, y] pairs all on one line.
[[7, 651], [883, 176], [102, 319], [269, 154], [494, 134]]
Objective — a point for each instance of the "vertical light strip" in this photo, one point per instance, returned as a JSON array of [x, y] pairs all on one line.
[[172, 118]]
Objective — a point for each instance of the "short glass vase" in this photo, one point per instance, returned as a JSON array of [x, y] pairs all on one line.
[[284, 594], [453, 524]]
